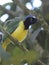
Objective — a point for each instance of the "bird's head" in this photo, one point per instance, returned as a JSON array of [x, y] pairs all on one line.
[[29, 20]]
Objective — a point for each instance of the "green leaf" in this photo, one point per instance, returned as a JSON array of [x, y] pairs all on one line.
[[18, 56], [10, 27]]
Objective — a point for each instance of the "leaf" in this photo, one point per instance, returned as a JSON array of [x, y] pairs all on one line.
[[19, 56], [10, 27]]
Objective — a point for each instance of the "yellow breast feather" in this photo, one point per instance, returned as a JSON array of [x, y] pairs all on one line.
[[20, 34]]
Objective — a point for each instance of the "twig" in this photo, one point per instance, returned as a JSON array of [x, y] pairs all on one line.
[[15, 41], [21, 6], [12, 39], [8, 11], [40, 62], [40, 18], [37, 47], [27, 11]]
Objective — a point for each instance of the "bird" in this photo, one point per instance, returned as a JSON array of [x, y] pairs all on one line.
[[21, 31]]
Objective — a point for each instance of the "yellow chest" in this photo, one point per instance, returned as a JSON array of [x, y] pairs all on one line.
[[20, 34]]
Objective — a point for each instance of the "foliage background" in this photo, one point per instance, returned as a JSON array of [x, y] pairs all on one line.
[[38, 48]]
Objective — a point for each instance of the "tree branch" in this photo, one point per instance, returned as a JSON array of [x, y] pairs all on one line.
[[40, 18], [40, 62], [13, 40], [21, 6], [8, 11]]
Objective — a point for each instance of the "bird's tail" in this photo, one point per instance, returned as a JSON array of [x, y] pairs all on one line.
[[6, 43]]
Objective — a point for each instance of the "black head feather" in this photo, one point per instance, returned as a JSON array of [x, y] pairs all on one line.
[[29, 20]]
